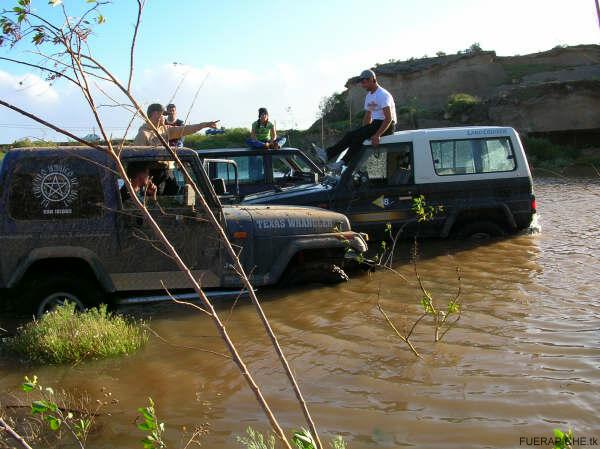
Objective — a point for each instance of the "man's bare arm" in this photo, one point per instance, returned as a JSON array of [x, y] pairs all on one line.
[[175, 132], [387, 120], [367, 118]]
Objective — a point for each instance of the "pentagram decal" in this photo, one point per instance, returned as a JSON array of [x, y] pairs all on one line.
[[55, 186]]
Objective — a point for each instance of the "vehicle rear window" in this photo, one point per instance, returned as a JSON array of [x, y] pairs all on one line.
[[469, 156], [55, 188]]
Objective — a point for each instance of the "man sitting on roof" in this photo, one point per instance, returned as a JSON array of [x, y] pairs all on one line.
[[379, 120], [147, 136]]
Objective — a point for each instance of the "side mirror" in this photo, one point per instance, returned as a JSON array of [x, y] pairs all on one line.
[[219, 186], [189, 196]]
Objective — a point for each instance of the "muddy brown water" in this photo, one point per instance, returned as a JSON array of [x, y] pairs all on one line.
[[523, 360]]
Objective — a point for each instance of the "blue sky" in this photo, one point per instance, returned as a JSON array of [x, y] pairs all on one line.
[[280, 54]]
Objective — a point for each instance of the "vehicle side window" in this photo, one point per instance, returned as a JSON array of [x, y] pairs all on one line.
[[55, 188], [251, 170], [169, 181], [460, 157], [389, 165]]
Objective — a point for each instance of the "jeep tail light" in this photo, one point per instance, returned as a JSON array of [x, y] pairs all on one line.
[[240, 235], [533, 205]]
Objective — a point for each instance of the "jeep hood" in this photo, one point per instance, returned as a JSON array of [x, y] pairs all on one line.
[[300, 194], [288, 220]]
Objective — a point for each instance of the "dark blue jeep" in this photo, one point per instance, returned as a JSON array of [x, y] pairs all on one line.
[[67, 233]]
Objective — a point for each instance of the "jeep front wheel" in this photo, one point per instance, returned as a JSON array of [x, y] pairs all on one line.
[[320, 272], [46, 294]]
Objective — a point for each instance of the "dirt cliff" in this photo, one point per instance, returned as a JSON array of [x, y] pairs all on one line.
[[552, 91]]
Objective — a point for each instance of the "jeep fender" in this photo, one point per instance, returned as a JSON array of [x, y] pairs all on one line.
[[49, 253], [317, 241], [454, 217]]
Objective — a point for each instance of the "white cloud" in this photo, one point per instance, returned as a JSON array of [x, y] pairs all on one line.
[[230, 94], [28, 87]]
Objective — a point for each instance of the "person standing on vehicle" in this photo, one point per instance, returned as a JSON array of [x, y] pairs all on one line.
[[263, 132], [172, 120], [147, 136], [379, 120]]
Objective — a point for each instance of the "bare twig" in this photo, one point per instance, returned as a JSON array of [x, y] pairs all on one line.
[[45, 69], [134, 40], [72, 42], [192, 348], [405, 339], [229, 248], [18, 438]]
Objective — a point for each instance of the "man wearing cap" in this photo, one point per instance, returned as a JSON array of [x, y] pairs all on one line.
[[147, 136], [379, 120]]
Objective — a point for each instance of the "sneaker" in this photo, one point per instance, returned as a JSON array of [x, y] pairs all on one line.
[[335, 166], [320, 152], [281, 142]]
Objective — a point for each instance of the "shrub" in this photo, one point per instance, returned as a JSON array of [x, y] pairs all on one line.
[[231, 138], [543, 150], [26, 142], [460, 103], [67, 336]]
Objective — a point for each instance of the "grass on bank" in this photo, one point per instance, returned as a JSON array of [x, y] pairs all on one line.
[[67, 336], [231, 138]]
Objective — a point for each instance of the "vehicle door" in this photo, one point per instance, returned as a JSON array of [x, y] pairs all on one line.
[[144, 263], [382, 188]]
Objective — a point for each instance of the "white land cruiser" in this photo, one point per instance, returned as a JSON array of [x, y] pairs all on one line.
[[478, 175]]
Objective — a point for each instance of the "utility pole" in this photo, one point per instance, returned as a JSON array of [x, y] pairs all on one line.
[[598, 11], [349, 110], [322, 130]]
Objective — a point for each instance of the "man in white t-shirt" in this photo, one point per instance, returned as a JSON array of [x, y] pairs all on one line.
[[379, 120]]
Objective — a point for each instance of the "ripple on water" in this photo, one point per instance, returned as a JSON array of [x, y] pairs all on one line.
[[523, 359]]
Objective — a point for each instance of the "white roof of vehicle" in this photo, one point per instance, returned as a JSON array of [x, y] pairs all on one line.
[[450, 133]]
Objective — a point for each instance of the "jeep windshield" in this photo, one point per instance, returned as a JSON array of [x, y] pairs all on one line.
[[260, 170]]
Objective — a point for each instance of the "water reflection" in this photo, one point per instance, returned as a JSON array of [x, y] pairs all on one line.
[[522, 360]]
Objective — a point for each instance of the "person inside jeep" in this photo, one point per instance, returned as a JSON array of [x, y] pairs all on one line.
[[143, 185]]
